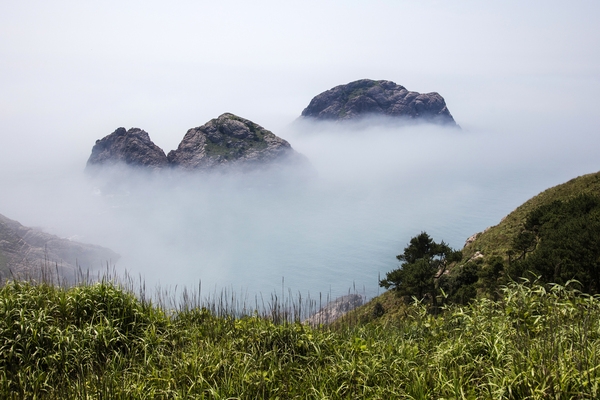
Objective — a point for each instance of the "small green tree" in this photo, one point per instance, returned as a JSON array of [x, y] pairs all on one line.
[[423, 262], [491, 276], [460, 284]]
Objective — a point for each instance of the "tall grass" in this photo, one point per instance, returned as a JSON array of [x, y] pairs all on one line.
[[99, 340]]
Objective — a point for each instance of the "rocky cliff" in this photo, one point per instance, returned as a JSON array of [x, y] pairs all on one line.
[[374, 98], [25, 251], [227, 140], [132, 147]]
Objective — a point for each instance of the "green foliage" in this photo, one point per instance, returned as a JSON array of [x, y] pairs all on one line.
[[535, 343], [459, 285], [378, 310], [232, 148], [492, 276], [54, 334], [514, 248], [560, 241], [423, 261]]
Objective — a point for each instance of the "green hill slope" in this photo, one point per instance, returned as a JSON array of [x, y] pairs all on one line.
[[497, 239]]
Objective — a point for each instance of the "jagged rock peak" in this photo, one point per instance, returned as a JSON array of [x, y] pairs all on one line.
[[367, 97], [132, 147], [228, 140]]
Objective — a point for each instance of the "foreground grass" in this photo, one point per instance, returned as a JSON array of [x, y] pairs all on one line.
[[99, 341]]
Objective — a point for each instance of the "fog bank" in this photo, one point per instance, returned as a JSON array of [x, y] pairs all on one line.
[[336, 230]]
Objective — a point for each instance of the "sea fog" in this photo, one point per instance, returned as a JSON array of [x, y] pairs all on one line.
[[329, 229]]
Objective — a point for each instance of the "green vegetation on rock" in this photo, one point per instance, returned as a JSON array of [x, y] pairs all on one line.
[[559, 242], [233, 148]]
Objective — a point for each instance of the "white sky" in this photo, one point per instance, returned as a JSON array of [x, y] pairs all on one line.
[[73, 71]]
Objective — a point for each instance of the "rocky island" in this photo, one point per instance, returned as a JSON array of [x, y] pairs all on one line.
[[228, 140], [368, 98]]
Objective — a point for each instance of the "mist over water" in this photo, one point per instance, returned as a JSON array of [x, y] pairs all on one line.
[[329, 230]]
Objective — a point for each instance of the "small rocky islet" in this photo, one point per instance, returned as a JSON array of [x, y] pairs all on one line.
[[230, 140], [226, 140], [370, 98]]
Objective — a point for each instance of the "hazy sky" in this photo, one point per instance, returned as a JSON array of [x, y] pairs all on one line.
[[73, 71], [521, 78]]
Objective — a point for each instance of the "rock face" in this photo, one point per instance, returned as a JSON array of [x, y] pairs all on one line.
[[335, 309], [132, 147], [25, 251], [228, 140], [371, 98]]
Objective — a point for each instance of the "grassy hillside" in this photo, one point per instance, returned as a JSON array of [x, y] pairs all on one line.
[[497, 239], [99, 341]]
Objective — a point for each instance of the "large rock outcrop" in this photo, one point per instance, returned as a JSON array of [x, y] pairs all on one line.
[[229, 140], [26, 251], [365, 98], [132, 147]]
